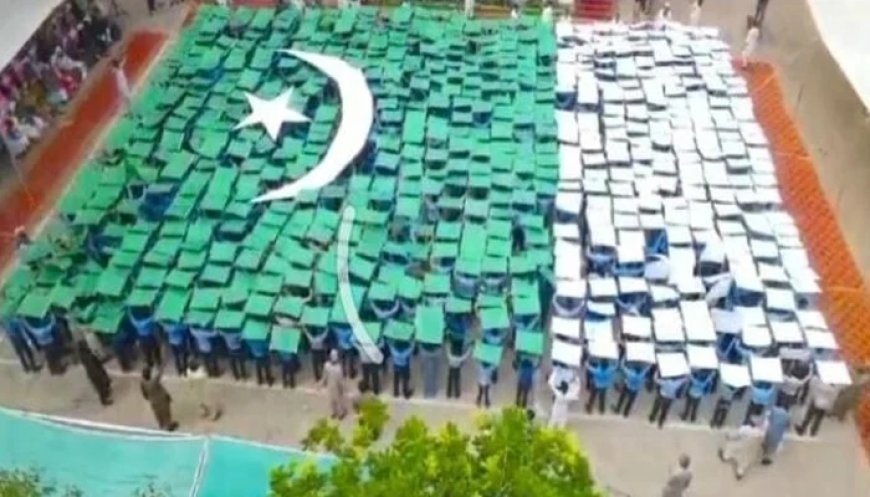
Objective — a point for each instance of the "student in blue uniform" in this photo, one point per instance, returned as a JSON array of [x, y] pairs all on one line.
[[44, 333], [485, 375], [317, 338], [602, 375], [634, 375], [146, 333], [400, 353], [289, 367], [236, 352], [457, 352], [205, 347], [526, 367], [344, 340], [179, 344], [15, 333], [262, 360], [371, 368], [430, 359], [700, 384], [669, 389]]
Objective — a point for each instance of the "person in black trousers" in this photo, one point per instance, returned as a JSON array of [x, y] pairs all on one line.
[[16, 335], [96, 373], [457, 353], [152, 6]]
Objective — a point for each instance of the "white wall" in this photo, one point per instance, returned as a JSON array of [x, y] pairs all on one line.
[[19, 19], [844, 26]]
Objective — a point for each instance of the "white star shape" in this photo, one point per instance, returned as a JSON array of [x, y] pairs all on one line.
[[271, 113]]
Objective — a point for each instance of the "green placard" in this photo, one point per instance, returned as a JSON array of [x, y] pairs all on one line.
[[531, 342], [399, 330], [285, 339], [430, 324], [487, 352]]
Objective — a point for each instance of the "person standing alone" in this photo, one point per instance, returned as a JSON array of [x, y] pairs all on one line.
[[121, 81], [680, 479], [96, 373], [155, 393]]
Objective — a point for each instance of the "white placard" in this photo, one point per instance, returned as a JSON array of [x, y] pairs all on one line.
[[735, 375], [667, 325], [567, 353], [833, 372], [767, 369], [702, 357], [566, 327], [672, 364], [640, 352], [603, 349], [787, 332], [636, 326]]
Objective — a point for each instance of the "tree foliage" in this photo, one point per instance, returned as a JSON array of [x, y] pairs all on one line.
[[30, 483], [507, 456]]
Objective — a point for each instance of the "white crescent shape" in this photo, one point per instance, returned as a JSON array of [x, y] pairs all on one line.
[[357, 115]]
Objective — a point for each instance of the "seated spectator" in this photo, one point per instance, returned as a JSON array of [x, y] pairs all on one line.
[[32, 125], [15, 140], [63, 63]]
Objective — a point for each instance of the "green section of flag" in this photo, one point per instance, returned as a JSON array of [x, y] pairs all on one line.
[[464, 126]]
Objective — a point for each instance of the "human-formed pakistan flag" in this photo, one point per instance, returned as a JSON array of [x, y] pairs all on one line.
[[216, 201]]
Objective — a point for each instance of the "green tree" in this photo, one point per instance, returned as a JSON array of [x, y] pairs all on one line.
[[506, 456], [30, 483]]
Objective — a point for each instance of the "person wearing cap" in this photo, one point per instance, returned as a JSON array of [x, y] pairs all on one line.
[[634, 375], [669, 389], [822, 396]]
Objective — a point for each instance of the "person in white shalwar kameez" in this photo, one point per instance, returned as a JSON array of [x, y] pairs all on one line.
[[742, 448], [564, 393], [750, 45]]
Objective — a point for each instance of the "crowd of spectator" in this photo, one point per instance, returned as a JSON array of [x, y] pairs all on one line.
[[48, 71]]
